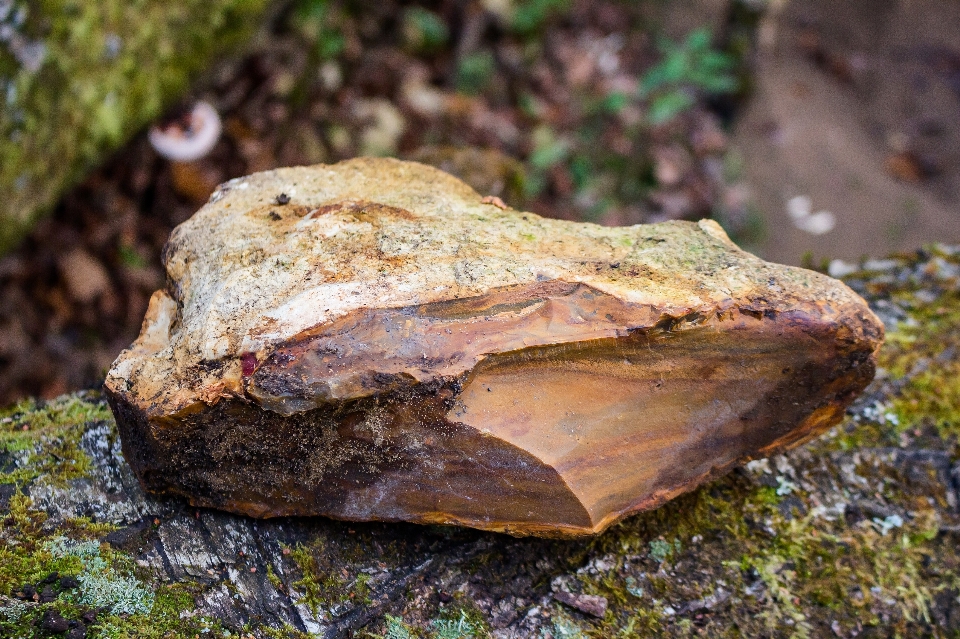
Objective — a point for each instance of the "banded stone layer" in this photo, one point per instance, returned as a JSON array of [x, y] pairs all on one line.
[[373, 340]]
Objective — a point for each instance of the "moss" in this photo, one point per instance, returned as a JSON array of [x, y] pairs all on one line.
[[79, 77], [563, 627], [922, 353], [920, 361], [35, 554], [286, 631], [324, 584], [275, 580], [42, 439], [814, 573]]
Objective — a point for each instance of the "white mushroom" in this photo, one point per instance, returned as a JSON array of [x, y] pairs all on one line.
[[188, 137]]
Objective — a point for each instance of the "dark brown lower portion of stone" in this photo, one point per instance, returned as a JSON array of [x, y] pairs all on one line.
[[389, 458], [405, 455]]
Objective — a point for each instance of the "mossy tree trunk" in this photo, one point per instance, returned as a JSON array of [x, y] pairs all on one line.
[[78, 78], [851, 533]]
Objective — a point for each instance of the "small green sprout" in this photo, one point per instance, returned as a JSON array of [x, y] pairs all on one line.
[[687, 69]]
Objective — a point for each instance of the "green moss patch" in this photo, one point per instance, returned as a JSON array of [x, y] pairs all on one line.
[[751, 567], [59, 570], [324, 583], [41, 439], [49, 571]]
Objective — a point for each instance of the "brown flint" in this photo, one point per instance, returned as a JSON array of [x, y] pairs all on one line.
[[374, 340]]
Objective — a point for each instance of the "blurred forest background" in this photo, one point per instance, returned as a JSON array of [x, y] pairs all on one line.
[[815, 132]]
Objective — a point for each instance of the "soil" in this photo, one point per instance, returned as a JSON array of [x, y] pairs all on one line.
[[857, 107]]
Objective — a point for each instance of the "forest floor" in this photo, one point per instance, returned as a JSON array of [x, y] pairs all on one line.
[[856, 108]]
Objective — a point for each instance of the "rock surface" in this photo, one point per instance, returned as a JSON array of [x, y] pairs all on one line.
[[375, 340], [851, 535]]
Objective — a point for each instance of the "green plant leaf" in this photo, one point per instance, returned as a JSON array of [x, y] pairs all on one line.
[[475, 71], [667, 106]]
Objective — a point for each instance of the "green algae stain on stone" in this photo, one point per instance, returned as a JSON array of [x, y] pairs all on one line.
[[77, 78]]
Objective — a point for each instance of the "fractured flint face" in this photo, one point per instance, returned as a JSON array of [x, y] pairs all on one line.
[[373, 341]]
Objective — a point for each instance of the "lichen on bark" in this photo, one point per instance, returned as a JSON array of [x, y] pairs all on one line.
[[77, 78]]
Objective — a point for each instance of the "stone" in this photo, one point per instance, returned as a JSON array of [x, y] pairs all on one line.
[[594, 605], [69, 583], [54, 622], [77, 632], [372, 341]]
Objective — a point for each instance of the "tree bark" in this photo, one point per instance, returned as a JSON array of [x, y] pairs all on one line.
[[854, 529]]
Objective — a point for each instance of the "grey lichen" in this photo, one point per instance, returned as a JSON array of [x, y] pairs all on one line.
[[101, 585]]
